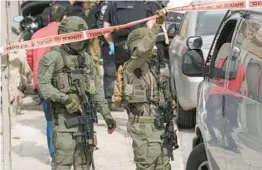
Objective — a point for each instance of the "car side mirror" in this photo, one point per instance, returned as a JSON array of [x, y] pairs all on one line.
[[194, 43], [18, 18], [172, 30], [193, 63]]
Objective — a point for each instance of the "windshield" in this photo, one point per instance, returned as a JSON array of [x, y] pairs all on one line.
[[208, 22], [174, 17]]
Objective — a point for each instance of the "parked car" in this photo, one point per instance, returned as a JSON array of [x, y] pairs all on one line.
[[229, 121], [184, 88], [31, 19]]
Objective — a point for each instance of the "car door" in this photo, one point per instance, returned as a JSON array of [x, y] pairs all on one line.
[[213, 95], [242, 114]]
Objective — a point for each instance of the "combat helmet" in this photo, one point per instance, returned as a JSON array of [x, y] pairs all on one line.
[[135, 37], [73, 24]]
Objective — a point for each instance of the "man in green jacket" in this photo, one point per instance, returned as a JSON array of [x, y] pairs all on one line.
[[142, 97], [62, 72]]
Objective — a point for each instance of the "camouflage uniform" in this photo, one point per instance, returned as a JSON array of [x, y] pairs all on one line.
[[142, 97], [58, 87]]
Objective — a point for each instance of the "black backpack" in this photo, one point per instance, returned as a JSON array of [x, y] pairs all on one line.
[[93, 16], [75, 11], [124, 12], [101, 13]]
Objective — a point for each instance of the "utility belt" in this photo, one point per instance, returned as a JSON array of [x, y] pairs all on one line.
[[141, 119], [137, 93], [156, 120]]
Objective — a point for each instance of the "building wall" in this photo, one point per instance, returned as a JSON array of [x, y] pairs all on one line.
[[8, 9]]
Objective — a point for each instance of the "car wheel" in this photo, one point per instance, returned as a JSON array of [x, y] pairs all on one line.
[[185, 119], [197, 159]]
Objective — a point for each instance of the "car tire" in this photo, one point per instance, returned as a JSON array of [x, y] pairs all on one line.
[[197, 158], [185, 119]]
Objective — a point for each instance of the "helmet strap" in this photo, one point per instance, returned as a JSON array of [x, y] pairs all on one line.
[[69, 50]]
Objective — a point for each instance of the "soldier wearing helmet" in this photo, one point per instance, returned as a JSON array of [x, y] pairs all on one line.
[[141, 97], [61, 72]]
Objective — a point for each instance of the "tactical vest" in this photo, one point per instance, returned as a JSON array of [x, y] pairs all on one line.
[[66, 78], [143, 88]]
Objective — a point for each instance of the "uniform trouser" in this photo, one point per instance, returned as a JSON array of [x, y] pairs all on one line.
[[149, 151], [69, 151], [49, 127], [109, 72]]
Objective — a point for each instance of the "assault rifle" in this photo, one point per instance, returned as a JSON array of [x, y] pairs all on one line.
[[87, 118], [170, 134], [168, 116]]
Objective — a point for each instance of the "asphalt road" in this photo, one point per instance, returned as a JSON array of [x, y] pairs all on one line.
[[29, 148]]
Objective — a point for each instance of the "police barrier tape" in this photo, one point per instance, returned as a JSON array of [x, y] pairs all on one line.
[[89, 34], [255, 3]]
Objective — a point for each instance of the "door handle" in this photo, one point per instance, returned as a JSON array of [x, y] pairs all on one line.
[[223, 106]]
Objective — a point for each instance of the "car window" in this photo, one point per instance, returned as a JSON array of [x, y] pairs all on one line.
[[208, 22], [221, 50], [174, 17], [249, 39], [220, 53], [253, 78]]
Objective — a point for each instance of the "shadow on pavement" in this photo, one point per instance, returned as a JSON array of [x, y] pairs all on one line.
[[38, 123], [30, 149], [31, 102], [31, 107]]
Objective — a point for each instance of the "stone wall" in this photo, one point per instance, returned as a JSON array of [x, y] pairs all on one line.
[[19, 75]]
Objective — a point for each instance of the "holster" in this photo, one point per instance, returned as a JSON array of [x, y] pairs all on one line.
[[49, 112], [55, 115], [73, 122]]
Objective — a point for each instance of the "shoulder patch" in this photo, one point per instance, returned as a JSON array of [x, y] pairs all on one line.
[[50, 57], [44, 61]]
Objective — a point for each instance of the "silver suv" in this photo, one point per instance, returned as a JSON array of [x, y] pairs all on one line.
[[229, 118], [184, 88]]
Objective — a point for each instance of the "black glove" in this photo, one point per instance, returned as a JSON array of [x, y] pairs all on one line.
[[111, 123]]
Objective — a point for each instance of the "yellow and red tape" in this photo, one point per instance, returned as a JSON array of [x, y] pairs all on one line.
[[89, 34]]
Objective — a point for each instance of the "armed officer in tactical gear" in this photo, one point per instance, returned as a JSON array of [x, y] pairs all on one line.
[[64, 73], [142, 97]]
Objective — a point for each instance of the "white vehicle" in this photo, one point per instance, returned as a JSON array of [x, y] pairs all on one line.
[[184, 88]]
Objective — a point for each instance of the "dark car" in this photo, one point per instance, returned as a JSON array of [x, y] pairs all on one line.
[[229, 120], [32, 18]]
